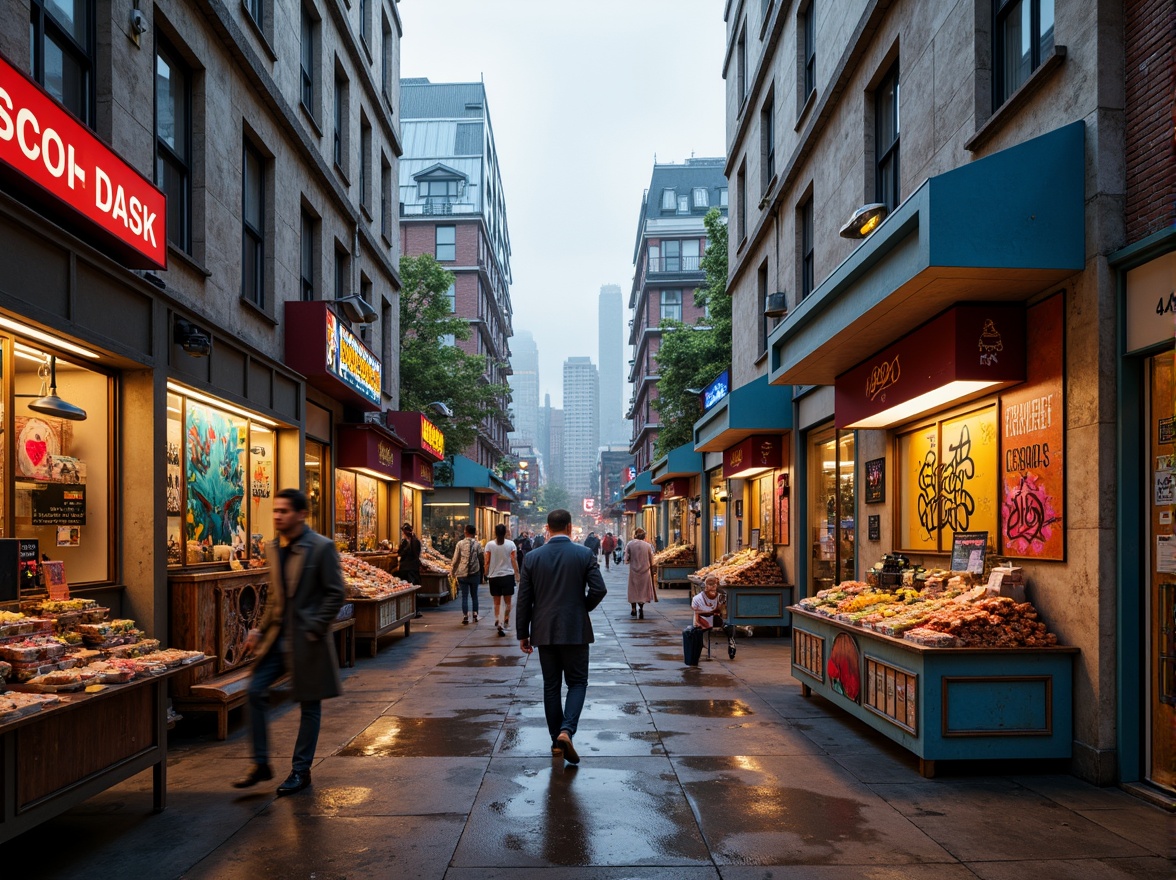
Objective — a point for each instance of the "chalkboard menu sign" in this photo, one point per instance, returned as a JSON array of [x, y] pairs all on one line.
[[967, 551], [59, 504]]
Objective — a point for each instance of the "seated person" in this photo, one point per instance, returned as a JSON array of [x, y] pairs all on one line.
[[707, 604]]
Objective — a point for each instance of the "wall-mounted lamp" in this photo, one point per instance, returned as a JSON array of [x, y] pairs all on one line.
[[440, 408], [776, 305], [138, 24], [864, 220], [191, 338], [51, 404], [357, 309]]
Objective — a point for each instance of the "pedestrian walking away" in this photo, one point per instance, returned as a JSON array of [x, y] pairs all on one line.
[[502, 569], [467, 568], [592, 543], [560, 585], [607, 546], [639, 556], [306, 592]]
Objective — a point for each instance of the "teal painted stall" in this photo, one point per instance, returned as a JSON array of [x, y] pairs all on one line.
[[942, 704]]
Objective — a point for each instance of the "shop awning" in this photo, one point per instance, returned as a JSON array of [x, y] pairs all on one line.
[[754, 455], [369, 449], [642, 486], [471, 475], [680, 462], [416, 471], [998, 229], [754, 408]]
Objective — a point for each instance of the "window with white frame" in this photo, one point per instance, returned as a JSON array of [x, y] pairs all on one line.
[[701, 197], [446, 243], [671, 305], [669, 200]]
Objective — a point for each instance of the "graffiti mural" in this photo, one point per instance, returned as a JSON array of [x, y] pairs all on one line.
[[215, 476]]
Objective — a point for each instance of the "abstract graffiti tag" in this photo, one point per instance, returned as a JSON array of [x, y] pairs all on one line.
[[957, 503], [1029, 514], [928, 506]]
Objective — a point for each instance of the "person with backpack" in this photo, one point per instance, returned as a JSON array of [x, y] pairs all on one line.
[[467, 568]]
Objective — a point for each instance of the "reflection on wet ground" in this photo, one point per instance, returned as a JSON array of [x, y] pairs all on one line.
[[686, 771], [701, 708], [397, 735]]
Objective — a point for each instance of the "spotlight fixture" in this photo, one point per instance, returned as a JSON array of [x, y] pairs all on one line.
[[440, 408], [864, 220], [191, 338], [776, 305], [357, 309], [51, 404]]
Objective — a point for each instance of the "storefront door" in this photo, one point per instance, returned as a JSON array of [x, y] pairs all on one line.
[[832, 508], [1159, 492]]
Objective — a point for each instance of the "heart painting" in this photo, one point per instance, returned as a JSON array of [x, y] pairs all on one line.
[[37, 441]]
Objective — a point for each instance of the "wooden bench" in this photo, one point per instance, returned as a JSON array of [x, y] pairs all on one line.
[[221, 695], [344, 632]]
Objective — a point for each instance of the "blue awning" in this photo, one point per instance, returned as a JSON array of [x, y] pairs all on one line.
[[468, 474], [680, 462], [643, 485], [754, 408], [1001, 228]]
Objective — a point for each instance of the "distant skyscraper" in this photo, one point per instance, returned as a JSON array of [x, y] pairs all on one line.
[[555, 433], [581, 426], [524, 390], [611, 341]]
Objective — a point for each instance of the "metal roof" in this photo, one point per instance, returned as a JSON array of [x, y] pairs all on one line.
[[421, 99]]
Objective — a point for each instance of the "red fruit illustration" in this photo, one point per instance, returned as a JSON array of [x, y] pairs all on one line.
[[845, 667]]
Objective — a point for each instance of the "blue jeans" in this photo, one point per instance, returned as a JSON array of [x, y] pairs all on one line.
[[469, 591], [268, 670], [563, 663]]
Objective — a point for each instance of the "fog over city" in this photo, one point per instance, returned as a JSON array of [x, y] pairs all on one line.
[[581, 98]]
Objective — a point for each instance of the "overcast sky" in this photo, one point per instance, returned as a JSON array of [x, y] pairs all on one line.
[[581, 95]]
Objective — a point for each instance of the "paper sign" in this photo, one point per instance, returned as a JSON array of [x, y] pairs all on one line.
[[967, 551], [1166, 554], [1165, 485], [55, 581]]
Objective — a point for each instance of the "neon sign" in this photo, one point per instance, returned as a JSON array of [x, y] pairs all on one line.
[[349, 360], [432, 440]]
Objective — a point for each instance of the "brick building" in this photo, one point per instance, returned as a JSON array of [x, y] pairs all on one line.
[[671, 239]]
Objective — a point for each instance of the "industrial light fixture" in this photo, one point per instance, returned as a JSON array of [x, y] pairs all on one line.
[[776, 305], [191, 338], [440, 408], [864, 220], [51, 404], [357, 309]]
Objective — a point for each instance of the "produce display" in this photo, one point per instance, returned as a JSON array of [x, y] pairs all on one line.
[[364, 581], [747, 568], [432, 562], [935, 616], [676, 554]]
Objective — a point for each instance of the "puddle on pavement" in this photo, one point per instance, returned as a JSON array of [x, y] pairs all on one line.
[[485, 660], [593, 709], [695, 679], [569, 817], [735, 813], [701, 708], [394, 736]]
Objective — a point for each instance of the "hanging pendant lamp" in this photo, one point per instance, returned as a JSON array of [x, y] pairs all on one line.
[[51, 404]]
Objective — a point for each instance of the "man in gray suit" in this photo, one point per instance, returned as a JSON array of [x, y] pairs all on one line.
[[560, 583], [306, 592]]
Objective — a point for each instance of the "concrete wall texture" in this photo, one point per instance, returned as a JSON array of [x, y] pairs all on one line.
[[824, 150]]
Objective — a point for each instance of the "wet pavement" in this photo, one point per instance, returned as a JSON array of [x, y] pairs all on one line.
[[435, 764]]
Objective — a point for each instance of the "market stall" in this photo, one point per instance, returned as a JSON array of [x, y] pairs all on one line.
[[83, 706], [948, 672], [754, 586], [382, 602], [675, 564]]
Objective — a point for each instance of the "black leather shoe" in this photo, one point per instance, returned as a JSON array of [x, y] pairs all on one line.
[[257, 773], [295, 782]]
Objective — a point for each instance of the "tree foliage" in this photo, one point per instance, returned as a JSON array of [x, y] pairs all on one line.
[[551, 497], [431, 370], [691, 355]]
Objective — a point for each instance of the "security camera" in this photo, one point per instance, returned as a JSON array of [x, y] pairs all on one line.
[[192, 339], [138, 22]]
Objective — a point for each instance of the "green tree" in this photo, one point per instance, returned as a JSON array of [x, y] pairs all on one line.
[[550, 497], [691, 355], [430, 370]]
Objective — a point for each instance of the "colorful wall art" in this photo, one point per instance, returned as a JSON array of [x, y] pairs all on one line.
[[215, 476]]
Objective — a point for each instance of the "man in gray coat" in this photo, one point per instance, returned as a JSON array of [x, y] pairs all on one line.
[[305, 593], [559, 584]]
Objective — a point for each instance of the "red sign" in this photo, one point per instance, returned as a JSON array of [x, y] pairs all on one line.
[[758, 453], [630, 473], [676, 488], [966, 344], [1032, 444], [368, 447], [417, 469], [331, 357], [589, 505], [418, 432], [42, 143]]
